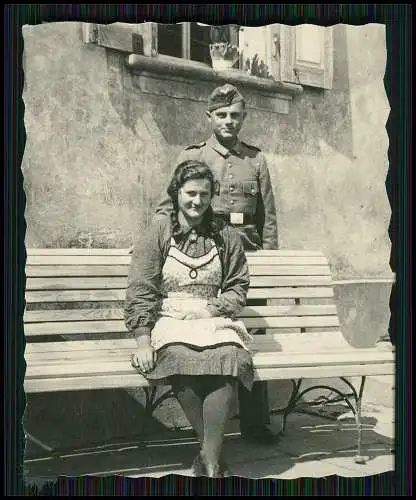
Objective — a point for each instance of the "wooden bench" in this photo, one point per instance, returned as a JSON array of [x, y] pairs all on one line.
[[77, 340]]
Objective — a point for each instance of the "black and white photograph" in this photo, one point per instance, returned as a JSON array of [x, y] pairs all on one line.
[[208, 258]]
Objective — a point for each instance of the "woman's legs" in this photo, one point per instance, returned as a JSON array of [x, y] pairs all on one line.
[[191, 398], [206, 402], [216, 411]]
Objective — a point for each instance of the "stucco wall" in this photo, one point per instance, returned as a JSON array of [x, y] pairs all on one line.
[[99, 150]]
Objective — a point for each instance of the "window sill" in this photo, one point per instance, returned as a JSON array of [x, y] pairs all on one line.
[[174, 77]]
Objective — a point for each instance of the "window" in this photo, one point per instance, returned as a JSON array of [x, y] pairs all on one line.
[[300, 55], [188, 40], [294, 54]]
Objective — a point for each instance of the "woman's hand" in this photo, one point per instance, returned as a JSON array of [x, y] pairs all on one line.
[[199, 314], [145, 356]]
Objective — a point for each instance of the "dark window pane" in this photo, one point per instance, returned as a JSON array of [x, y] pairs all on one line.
[[170, 39], [200, 40]]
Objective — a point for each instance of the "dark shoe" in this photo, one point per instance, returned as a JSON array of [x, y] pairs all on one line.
[[198, 466], [218, 472], [260, 435], [223, 469]]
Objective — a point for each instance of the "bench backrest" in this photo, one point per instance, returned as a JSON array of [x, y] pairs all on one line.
[[79, 293]]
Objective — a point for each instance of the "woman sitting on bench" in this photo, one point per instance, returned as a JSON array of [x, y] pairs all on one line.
[[186, 331]]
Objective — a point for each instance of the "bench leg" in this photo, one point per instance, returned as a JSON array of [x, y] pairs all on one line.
[[356, 410], [292, 402], [359, 458]]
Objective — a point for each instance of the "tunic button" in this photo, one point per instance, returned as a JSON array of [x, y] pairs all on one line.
[[230, 164], [231, 189], [230, 176], [231, 202]]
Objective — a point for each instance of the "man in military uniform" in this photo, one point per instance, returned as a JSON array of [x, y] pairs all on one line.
[[245, 200]]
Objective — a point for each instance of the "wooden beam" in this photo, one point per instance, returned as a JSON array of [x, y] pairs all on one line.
[[186, 41]]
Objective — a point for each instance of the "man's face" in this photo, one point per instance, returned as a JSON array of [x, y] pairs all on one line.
[[227, 121]]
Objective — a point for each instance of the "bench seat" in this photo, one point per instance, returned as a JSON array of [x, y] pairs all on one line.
[[76, 338]]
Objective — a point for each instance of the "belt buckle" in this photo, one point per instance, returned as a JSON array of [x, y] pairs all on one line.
[[236, 218]]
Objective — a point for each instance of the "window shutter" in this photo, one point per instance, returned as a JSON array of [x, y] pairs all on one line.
[[234, 34], [306, 55], [258, 47], [138, 38]]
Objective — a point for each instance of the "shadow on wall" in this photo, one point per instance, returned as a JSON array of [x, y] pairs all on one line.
[[136, 113]]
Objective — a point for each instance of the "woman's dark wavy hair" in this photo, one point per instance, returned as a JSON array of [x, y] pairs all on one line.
[[184, 172]]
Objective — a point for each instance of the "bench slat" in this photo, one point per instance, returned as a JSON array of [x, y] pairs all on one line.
[[134, 380], [321, 372], [111, 314], [72, 315], [76, 251], [82, 270], [120, 282], [57, 296], [287, 342], [125, 251], [124, 259], [114, 326], [79, 346], [328, 341], [77, 351], [103, 365], [51, 296], [122, 271], [89, 356], [75, 283], [78, 260]]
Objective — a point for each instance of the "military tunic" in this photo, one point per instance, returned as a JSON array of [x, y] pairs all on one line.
[[245, 195]]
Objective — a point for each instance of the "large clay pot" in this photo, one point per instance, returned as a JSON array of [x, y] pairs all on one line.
[[223, 56]]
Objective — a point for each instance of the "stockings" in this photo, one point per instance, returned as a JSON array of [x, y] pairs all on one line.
[[206, 402]]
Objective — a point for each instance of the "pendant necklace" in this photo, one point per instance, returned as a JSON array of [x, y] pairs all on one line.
[[193, 273]]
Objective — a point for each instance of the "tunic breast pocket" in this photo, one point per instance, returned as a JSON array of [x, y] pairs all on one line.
[[250, 189]]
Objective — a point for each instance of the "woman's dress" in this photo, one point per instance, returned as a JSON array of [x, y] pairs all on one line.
[[191, 274]]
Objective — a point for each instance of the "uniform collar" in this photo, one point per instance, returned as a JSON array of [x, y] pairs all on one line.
[[222, 150]]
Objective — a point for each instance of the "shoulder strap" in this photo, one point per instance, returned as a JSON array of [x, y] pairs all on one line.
[[250, 146], [195, 146]]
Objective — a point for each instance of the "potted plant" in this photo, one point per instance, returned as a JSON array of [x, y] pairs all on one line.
[[224, 55]]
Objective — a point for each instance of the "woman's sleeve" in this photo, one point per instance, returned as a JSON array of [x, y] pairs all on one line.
[[236, 279], [143, 297]]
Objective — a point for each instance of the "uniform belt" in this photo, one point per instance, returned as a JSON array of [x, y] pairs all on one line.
[[248, 219]]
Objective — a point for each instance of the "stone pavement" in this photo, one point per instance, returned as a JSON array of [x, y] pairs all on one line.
[[313, 446]]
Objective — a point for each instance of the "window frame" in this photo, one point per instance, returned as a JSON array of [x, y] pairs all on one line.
[[277, 48], [121, 36], [160, 74]]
